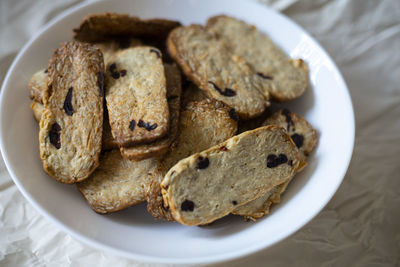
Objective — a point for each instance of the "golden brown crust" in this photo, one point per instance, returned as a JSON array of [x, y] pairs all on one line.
[[155, 204], [202, 125], [286, 78], [37, 85], [136, 96], [117, 183], [213, 183], [71, 124], [161, 146], [37, 110], [221, 76], [100, 27]]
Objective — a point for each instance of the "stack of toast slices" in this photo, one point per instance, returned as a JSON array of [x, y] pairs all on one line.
[[135, 111]]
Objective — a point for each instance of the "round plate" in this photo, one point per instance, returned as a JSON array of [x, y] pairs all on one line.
[[133, 232]]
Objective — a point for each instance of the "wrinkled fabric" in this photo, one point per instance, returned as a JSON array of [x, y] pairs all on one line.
[[361, 224]]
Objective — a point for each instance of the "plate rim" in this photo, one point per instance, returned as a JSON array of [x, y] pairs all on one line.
[[223, 257]]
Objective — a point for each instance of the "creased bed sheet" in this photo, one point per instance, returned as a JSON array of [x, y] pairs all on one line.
[[361, 224]]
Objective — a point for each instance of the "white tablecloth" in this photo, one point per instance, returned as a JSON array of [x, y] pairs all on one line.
[[361, 224]]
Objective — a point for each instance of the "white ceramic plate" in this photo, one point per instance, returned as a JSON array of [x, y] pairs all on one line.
[[134, 233]]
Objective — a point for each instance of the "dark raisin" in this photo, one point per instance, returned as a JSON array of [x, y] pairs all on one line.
[[187, 205], [274, 161], [54, 135], [234, 202], [46, 71], [216, 87], [115, 75], [156, 52], [282, 158], [227, 92], [100, 82], [124, 43], [113, 67], [233, 115], [202, 163], [132, 125], [264, 76], [223, 148], [288, 117], [149, 127], [152, 127], [68, 108], [123, 73], [290, 162], [271, 161], [298, 139]]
